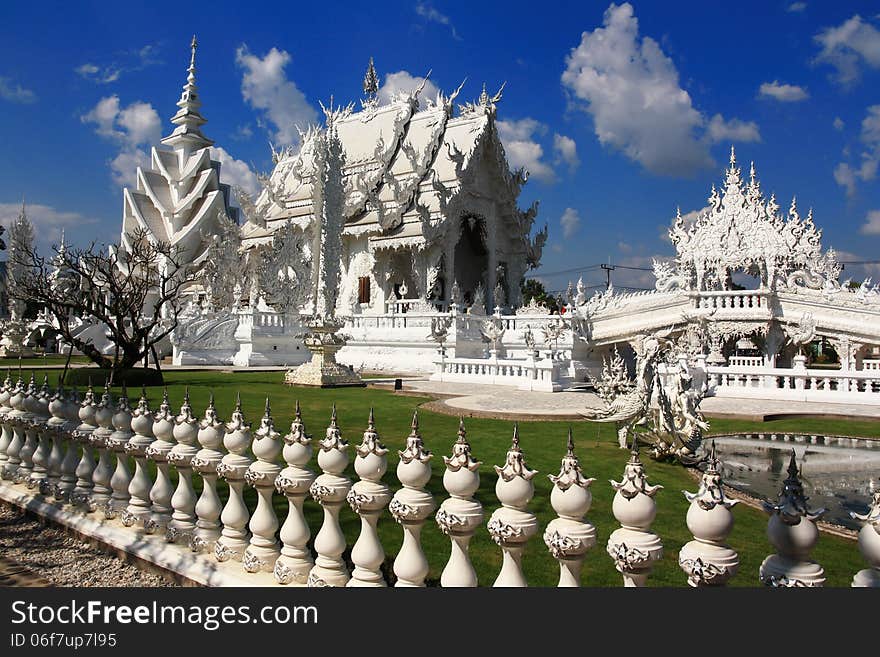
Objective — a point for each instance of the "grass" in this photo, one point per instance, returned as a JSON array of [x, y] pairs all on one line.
[[50, 359], [543, 444]]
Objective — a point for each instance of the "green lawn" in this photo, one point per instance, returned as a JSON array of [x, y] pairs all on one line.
[[543, 444], [50, 359]]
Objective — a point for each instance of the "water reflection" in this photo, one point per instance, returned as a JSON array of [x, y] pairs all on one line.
[[835, 471]]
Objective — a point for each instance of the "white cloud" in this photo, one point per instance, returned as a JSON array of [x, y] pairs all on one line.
[[796, 7], [522, 149], [872, 223], [838, 123], [47, 221], [570, 222], [235, 172], [847, 46], [566, 151], [243, 132], [734, 130], [427, 11], [129, 61], [847, 175], [15, 93], [265, 87], [404, 82], [784, 93], [632, 92], [132, 127]]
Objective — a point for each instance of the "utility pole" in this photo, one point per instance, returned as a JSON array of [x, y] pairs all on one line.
[[608, 269]]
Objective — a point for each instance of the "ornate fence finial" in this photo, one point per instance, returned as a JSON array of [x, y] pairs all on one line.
[[707, 560], [792, 531], [205, 462], [183, 502], [116, 442], [138, 509], [869, 541], [568, 537], [264, 548], [512, 525], [234, 538], [162, 490]]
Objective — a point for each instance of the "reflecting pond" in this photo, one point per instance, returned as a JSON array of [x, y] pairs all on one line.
[[836, 471]]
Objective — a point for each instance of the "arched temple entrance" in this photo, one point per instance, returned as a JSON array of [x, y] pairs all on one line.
[[471, 256]]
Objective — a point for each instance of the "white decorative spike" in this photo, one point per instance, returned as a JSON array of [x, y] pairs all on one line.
[[29, 442], [329, 490], [5, 426], [56, 427], [138, 510], [707, 560], [116, 442], [411, 506], [67, 480], [460, 514], [512, 525], [83, 489], [869, 542], [183, 502], [633, 547], [295, 562], [103, 473], [568, 537], [205, 462], [368, 497], [162, 490], [40, 406], [264, 548], [792, 531], [234, 537], [16, 434]]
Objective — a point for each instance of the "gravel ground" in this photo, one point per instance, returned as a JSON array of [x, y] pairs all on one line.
[[62, 558]]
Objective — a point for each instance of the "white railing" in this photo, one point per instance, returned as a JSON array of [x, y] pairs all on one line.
[[746, 361], [795, 384], [871, 365], [72, 461], [732, 299], [526, 374]]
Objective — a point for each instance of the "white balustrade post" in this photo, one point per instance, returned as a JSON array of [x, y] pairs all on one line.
[[233, 539], [792, 531], [138, 510], [411, 506], [205, 462], [707, 560], [634, 547], [293, 482], [264, 548], [367, 498], [103, 472], [512, 525], [29, 444], [5, 427], [40, 406], [16, 434], [157, 452], [116, 442], [329, 490], [55, 426], [67, 481], [183, 502], [82, 491], [869, 542], [569, 536], [460, 514]]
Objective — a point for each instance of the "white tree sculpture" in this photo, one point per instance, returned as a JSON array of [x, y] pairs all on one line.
[[285, 270]]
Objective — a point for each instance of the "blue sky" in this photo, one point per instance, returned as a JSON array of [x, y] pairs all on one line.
[[621, 112]]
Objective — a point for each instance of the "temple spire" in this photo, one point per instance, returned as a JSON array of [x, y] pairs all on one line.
[[188, 119], [371, 81]]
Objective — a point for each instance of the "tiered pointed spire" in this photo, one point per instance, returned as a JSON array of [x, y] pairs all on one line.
[[371, 81], [188, 120]]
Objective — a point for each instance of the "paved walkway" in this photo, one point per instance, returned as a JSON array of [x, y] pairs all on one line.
[[509, 403]]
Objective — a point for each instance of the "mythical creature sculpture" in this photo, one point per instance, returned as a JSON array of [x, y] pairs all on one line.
[[803, 332], [493, 331], [679, 425], [440, 331]]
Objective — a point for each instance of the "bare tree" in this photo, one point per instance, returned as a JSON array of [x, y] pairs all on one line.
[[133, 292]]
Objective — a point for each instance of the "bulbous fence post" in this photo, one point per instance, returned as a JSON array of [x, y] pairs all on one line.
[[39, 477], [5, 427], [460, 514], [411, 506], [264, 548], [103, 472], [157, 452], [869, 542], [512, 525], [86, 466], [183, 502], [293, 482], [792, 531], [67, 481], [138, 509], [568, 537], [707, 560], [16, 441], [367, 498], [330, 490], [633, 547], [29, 442], [116, 443], [233, 539], [55, 429], [206, 460]]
